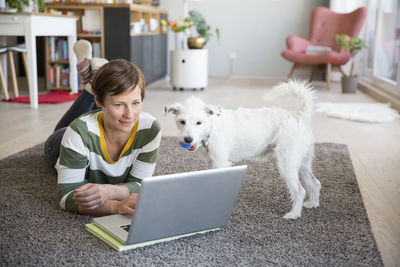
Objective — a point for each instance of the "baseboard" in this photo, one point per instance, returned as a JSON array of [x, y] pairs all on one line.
[[379, 94]]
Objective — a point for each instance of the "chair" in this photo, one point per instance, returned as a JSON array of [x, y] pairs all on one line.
[[2, 78], [21, 48], [324, 26]]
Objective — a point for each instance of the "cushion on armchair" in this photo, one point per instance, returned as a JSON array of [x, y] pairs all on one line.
[[317, 49]]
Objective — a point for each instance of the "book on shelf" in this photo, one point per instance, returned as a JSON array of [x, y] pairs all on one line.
[[58, 49], [96, 49], [58, 76]]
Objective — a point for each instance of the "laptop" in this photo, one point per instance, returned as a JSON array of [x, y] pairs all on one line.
[[177, 205]]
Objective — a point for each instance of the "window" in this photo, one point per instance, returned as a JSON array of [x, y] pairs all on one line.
[[379, 64], [386, 46]]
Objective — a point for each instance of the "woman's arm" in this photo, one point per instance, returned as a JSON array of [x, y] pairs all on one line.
[[104, 199], [92, 196], [111, 206], [145, 163], [71, 167]]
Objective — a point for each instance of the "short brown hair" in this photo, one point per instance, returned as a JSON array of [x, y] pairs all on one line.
[[116, 77]]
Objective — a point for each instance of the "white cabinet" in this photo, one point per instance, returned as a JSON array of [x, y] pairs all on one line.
[[189, 69]]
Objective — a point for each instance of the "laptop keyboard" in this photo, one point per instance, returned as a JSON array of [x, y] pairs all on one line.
[[126, 227]]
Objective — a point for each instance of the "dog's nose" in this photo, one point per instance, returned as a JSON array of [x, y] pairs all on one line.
[[188, 139]]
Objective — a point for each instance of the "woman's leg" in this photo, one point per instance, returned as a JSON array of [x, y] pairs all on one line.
[[84, 103], [52, 147]]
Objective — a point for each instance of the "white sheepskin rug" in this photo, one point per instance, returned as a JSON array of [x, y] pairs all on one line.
[[363, 112]]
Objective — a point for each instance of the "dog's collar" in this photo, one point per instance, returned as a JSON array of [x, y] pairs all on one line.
[[204, 142]]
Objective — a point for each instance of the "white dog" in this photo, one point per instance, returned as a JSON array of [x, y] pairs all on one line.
[[227, 136]]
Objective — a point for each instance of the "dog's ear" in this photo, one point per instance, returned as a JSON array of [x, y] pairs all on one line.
[[213, 110], [175, 108]]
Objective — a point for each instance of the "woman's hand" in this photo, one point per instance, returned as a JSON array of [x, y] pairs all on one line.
[[91, 196], [127, 206], [104, 199]]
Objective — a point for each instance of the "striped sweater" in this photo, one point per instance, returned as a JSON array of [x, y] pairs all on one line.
[[84, 157]]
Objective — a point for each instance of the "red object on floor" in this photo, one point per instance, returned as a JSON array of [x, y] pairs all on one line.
[[53, 97]]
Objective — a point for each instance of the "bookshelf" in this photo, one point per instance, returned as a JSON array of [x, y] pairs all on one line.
[[57, 64], [115, 31]]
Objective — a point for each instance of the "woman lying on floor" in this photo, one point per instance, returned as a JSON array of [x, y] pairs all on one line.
[[102, 155]]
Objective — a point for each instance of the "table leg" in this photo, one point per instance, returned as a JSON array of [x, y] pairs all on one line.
[[30, 41], [73, 74]]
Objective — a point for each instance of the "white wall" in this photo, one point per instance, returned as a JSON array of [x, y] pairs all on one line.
[[255, 30]]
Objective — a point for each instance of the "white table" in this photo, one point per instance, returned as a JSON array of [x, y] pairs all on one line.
[[31, 25]]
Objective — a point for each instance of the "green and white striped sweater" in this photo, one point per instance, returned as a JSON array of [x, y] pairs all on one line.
[[84, 157]]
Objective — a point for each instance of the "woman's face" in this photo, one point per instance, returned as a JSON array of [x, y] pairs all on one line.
[[120, 112]]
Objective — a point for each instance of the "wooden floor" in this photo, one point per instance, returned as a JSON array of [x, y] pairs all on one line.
[[374, 148]]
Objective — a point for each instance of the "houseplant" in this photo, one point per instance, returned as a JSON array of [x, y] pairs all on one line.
[[353, 45], [180, 28], [25, 5], [203, 31], [16, 4]]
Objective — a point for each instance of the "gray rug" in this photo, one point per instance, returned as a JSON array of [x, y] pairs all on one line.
[[34, 231]]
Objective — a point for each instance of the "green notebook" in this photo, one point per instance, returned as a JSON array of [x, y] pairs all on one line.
[[118, 246]]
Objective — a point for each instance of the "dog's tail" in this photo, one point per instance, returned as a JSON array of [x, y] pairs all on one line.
[[301, 90]]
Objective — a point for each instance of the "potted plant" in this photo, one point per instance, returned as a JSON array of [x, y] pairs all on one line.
[[203, 31], [353, 45], [180, 28], [16, 5]]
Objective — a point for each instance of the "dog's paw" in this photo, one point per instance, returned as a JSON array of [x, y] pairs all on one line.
[[292, 215], [310, 205]]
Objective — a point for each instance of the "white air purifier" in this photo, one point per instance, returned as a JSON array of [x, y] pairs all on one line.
[[189, 69]]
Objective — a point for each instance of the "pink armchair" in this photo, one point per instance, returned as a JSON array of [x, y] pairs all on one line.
[[324, 26]]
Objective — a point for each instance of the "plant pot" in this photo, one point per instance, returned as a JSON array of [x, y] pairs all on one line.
[[196, 42], [349, 84], [180, 40], [30, 7]]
